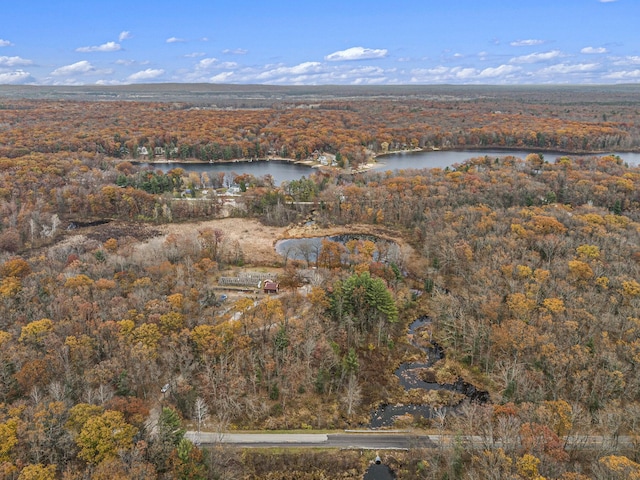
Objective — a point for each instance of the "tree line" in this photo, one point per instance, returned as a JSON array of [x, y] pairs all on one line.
[[354, 128]]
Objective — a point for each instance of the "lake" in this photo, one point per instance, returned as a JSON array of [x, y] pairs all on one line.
[[280, 170], [283, 171], [447, 158]]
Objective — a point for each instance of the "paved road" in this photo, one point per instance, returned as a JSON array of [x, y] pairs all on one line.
[[374, 440]]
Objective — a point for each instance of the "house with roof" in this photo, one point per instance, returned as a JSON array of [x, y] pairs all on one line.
[[270, 286], [143, 151], [234, 189]]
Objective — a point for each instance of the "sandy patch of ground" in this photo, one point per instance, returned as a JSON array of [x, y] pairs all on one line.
[[258, 241]]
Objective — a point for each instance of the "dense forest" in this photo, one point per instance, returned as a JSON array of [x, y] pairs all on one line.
[[573, 120], [528, 269]]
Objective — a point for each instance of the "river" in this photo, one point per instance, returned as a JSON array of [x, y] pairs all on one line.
[[284, 171], [412, 375]]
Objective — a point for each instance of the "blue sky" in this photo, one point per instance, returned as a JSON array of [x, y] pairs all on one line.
[[73, 42]]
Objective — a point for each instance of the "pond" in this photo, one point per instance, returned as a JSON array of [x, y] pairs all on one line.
[[308, 249]]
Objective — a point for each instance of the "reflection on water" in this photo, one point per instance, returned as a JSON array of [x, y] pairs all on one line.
[[379, 471], [308, 249], [411, 375], [447, 158], [282, 171]]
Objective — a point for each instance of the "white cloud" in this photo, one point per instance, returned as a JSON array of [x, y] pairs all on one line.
[[565, 69], [624, 75], [66, 82], [439, 70], [607, 1], [124, 36], [14, 61], [175, 40], [14, 78], [301, 69], [629, 60], [203, 70], [222, 77], [465, 73], [526, 43], [536, 57], [500, 71], [326, 75], [368, 81], [365, 75], [105, 47], [356, 53], [280, 71], [235, 51], [108, 82], [206, 63], [82, 67], [148, 74], [195, 54], [307, 73], [590, 50], [5, 43]]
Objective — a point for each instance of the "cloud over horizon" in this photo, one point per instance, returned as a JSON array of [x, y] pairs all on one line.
[[14, 61], [15, 78], [271, 43], [148, 74], [81, 67], [536, 57]]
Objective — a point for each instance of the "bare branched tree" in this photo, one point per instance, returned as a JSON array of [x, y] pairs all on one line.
[[200, 413]]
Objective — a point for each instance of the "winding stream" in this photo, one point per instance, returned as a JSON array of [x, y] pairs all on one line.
[[410, 377]]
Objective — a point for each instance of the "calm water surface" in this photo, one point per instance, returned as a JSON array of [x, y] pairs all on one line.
[[442, 159], [280, 170], [283, 171]]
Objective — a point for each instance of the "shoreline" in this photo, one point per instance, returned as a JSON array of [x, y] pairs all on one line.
[[315, 163], [202, 162], [506, 148], [373, 160]]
